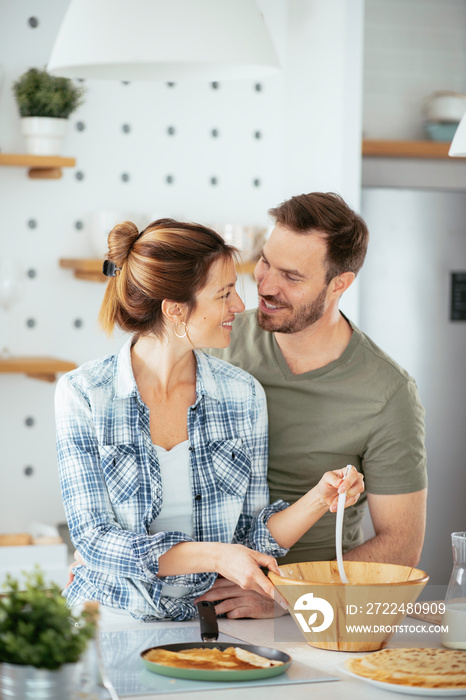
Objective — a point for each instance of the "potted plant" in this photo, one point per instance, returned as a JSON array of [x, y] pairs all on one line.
[[45, 102], [41, 640]]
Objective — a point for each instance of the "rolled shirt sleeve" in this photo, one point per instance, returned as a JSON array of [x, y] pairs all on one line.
[[103, 542]]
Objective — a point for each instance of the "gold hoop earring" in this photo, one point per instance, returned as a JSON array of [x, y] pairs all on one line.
[[182, 323]]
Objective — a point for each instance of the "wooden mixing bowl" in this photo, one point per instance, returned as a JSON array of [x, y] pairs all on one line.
[[359, 616]]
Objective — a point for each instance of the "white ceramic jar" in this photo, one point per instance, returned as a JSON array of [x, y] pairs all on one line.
[[445, 106]]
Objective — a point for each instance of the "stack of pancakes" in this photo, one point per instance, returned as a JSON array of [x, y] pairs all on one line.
[[230, 659], [424, 668]]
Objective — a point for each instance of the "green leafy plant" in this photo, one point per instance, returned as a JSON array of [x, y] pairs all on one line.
[[36, 626], [39, 94]]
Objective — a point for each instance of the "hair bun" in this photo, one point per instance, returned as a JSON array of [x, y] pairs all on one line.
[[120, 240]]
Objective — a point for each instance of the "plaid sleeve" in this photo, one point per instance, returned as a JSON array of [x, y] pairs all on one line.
[[252, 528], [105, 545]]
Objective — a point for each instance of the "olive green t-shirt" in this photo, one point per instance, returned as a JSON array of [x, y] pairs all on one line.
[[361, 409]]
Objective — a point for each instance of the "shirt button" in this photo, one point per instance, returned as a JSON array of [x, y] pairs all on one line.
[[191, 448], [197, 497], [193, 408]]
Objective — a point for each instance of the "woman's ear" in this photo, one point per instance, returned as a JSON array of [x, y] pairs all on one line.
[[173, 311]]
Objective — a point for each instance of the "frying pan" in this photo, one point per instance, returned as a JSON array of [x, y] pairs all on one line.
[[209, 630], [201, 674]]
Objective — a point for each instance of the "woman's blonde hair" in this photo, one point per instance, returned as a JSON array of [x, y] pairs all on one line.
[[168, 260]]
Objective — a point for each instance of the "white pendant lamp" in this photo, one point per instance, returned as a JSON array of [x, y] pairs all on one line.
[[458, 145], [164, 40]]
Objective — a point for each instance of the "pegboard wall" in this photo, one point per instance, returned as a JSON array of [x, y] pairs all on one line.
[[209, 152]]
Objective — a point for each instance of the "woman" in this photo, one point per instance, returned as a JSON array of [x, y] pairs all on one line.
[[163, 449]]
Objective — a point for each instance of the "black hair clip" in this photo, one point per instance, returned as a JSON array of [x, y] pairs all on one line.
[[109, 268]]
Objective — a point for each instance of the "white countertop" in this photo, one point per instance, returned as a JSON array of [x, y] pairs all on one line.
[[270, 633]]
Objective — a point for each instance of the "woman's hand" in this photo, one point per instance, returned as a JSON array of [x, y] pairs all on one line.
[[335, 482], [241, 566], [235, 562]]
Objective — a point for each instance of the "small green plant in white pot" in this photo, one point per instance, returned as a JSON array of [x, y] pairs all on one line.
[[45, 103], [41, 640]]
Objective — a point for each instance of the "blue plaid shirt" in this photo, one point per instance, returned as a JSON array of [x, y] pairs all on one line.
[[112, 489]]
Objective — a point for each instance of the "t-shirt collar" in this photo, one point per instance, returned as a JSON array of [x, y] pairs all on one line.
[[314, 373]]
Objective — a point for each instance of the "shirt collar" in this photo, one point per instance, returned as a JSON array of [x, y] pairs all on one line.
[[206, 383], [125, 383]]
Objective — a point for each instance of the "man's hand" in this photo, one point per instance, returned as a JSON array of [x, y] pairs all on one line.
[[77, 560], [235, 602]]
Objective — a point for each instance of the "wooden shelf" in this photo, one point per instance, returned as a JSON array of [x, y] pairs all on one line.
[[85, 268], [40, 167], [91, 268], [44, 368], [406, 149]]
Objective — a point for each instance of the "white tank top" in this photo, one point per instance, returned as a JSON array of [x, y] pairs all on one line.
[[177, 508]]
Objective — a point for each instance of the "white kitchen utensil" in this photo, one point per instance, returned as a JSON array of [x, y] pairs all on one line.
[[339, 530]]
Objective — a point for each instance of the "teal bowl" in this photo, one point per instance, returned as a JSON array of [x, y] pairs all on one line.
[[441, 131]]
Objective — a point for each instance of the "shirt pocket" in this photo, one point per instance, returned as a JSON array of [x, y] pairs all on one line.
[[232, 466], [121, 472]]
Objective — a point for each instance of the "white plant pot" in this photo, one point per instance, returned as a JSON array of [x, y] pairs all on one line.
[[30, 683], [43, 135]]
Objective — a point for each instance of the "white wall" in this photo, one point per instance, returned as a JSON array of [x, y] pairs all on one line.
[[418, 237], [412, 48], [416, 214], [304, 144], [323, 105]]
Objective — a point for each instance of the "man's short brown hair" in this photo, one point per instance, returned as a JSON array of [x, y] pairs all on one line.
[[327, 213]]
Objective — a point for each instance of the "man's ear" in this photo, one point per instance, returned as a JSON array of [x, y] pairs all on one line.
[[173, 311], [340, 283]]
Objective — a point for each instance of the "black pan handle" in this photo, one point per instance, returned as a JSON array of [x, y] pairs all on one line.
[[208, 621]]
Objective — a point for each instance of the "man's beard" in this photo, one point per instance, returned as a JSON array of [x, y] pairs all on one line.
[[304, 317]]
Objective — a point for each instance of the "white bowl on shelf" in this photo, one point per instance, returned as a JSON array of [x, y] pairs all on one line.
[[445, 106]]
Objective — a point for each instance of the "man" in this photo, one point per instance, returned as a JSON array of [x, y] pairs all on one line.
[[333, 397]]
